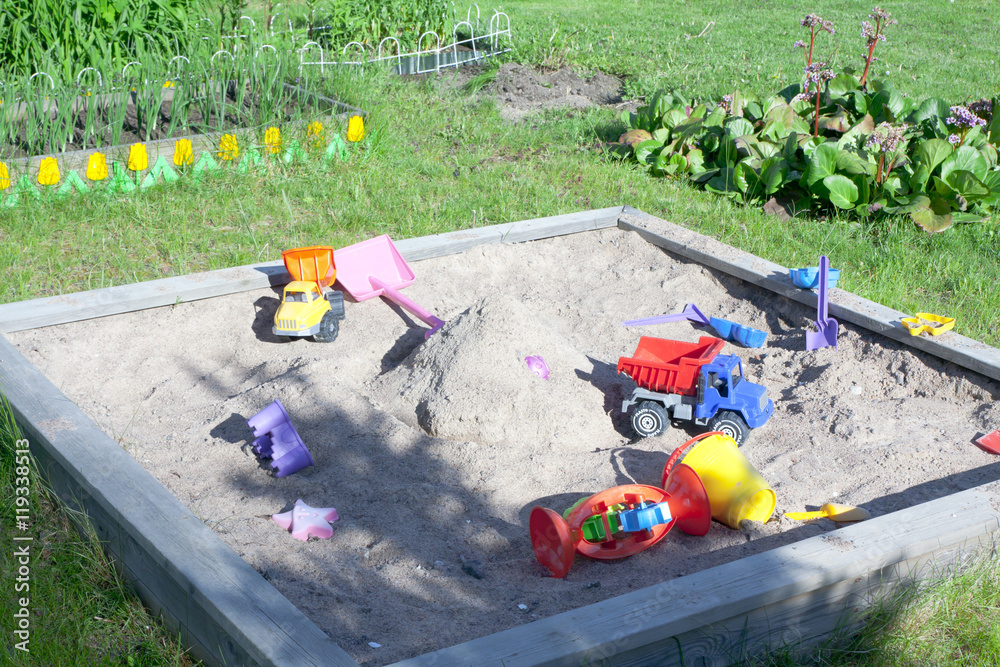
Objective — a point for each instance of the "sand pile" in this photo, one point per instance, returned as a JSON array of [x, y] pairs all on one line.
[[471, 382]]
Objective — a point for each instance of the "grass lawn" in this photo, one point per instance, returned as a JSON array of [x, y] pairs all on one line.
[[438, 158]]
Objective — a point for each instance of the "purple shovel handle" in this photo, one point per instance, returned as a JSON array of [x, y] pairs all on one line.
[[826, 335], [824, 300], [690, 312]]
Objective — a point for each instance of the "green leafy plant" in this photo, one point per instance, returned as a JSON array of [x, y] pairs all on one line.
[[65, 37], [837, 148], [235, 9], [152, 97], [336, 23]]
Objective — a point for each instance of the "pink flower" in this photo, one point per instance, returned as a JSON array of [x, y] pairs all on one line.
[[886, 138], [817, 73], [983, 108], [962, 117]]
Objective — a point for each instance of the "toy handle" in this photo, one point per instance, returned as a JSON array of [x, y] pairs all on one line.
[[404, 302], [823, 297], [677, 454], [660, 319]]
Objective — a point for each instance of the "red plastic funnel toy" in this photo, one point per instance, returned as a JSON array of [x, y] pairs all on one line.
[[551, 541], [555, 540], [629, 543], [990, 442], [688, 500]]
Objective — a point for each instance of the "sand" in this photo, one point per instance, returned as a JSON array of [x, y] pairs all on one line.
[[434, 451]]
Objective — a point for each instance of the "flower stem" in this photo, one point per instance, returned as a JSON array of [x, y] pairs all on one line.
[[809, 58], [868, 63], [816, 125], [871, 51]]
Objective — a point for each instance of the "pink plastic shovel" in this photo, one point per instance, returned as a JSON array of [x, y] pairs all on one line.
[[375, 268]]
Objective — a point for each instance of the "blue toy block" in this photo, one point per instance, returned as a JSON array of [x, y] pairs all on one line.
[[644, 517]]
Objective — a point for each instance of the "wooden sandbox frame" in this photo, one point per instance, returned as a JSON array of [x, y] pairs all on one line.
[[229, 615]]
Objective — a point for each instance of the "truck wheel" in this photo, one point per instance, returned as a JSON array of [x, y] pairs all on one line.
[[649, 418], [732, 424], [329, 327]]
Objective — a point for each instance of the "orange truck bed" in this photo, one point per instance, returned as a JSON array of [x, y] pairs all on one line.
[[669, 366], [314, 264]]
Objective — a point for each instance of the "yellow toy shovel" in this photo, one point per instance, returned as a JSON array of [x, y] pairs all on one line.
[[833, 512]]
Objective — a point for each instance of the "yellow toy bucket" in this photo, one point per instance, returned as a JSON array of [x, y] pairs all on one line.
[[736, 491]]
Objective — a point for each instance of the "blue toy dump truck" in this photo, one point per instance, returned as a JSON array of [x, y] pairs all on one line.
[[692, 381]]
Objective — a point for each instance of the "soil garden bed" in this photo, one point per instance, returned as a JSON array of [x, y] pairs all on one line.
[[434, 451], [74, 165], [232, 114]]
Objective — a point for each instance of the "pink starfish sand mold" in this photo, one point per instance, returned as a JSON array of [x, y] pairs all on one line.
[[305, 521]]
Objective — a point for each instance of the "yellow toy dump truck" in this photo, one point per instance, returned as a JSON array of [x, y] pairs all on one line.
[[308, 307]]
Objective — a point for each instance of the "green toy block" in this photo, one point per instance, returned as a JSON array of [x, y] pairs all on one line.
[[251, 158], [72, 182], [120, 179], [337, 149], [160, 168], [293, 152], [593, 529], [205, 163]]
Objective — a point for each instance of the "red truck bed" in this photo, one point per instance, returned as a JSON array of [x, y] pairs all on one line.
[[669, 366]]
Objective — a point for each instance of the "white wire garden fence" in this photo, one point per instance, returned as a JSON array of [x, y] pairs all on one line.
[[470, 42]]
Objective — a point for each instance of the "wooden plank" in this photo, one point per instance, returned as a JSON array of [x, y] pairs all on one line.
[[35, 313], [844, 306], [22, 315], [797, 624], [225, 609], [425, 247], [793, 593]]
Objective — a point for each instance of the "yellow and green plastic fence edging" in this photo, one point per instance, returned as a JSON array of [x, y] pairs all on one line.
[[127, 175]]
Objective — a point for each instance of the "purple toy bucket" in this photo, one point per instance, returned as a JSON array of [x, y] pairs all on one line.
[[293, 461], [277, 439], [268, 418]]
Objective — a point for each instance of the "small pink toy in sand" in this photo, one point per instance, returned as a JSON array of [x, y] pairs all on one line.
[[538, 366], [304, 521]]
